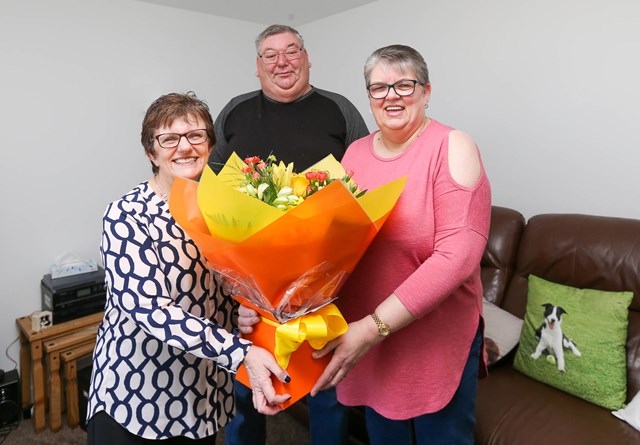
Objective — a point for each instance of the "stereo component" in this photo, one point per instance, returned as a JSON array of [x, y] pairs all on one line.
[[74, 296], [9, 398]]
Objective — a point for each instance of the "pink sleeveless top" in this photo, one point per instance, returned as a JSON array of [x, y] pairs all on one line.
[[428, 253]]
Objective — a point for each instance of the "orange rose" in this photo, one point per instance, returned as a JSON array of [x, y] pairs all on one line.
[[299, 185]]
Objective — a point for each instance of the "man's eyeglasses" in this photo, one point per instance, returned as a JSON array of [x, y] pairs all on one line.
[[172, 140], [270, 56], [404, 87]]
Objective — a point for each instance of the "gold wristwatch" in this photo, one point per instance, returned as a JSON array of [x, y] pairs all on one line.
[[383, 329]]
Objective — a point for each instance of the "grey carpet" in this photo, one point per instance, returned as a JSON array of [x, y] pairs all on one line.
[[282, 429]]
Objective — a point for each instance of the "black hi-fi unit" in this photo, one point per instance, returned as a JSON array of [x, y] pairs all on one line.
[[9, 398], [74, 296]]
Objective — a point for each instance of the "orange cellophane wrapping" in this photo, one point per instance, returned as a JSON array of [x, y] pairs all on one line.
[[303, 369], [292, 345], [329, 232]]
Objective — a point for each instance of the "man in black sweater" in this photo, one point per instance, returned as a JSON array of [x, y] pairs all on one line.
[[297, 123]]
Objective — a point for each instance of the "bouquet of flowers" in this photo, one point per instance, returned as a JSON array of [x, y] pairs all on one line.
[[279, 186], [286, 256]]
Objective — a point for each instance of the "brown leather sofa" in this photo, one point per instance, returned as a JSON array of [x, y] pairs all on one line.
[[582, 251]]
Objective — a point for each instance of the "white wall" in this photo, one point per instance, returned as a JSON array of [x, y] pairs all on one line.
[[76, 77], [548, 89]]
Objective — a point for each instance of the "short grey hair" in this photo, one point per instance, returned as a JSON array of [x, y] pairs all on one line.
[[277, 29], [400, 57]]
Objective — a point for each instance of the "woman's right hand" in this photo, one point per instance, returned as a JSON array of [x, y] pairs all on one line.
[[260, 364], [247, 317]]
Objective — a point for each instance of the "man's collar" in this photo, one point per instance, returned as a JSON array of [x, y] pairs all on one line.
[[303, 97]]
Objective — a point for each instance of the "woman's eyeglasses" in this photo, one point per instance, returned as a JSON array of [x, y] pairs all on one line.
[[404, 87], [172, 140]]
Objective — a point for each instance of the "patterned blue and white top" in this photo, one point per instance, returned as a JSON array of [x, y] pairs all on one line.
[[164, 349]]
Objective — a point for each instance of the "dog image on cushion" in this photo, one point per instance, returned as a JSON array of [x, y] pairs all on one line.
[[551, 339]]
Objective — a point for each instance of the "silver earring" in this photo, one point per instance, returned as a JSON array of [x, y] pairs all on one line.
[[427, 105]]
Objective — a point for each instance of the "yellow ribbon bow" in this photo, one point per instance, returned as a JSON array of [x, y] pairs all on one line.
[[318, 328]]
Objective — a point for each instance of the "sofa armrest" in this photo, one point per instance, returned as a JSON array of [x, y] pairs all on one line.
[[498, 260]]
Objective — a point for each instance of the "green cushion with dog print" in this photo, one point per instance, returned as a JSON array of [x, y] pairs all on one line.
[[574, 340]]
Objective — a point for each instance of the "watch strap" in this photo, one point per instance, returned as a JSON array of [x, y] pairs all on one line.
[[383, 328]]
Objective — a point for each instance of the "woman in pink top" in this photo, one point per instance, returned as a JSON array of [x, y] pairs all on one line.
[[412, 353]]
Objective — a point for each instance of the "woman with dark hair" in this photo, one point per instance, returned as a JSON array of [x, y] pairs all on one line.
[[164, 351]]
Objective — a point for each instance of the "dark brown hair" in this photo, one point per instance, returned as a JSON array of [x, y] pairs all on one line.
[[165, 110]]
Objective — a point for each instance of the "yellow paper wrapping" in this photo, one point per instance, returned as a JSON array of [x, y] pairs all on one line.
[[284, 264]]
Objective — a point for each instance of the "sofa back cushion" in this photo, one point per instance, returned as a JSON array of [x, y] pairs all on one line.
[[499, 258], [586, 252]]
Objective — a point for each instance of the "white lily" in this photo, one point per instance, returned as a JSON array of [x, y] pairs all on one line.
[[251, 190], [285, 191], [261, 188]]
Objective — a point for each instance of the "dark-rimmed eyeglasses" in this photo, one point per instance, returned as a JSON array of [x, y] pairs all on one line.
[[172, 140], [270, 56], [404, 87]]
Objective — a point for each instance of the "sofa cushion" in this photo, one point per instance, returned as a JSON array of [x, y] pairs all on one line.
[[574, 340], [501, 331], [515, 409]]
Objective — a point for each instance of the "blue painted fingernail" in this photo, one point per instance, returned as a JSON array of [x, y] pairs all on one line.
[[287, 379]]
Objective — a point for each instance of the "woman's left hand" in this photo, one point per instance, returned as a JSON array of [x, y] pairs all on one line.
[[260, 364], [348, 350]]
